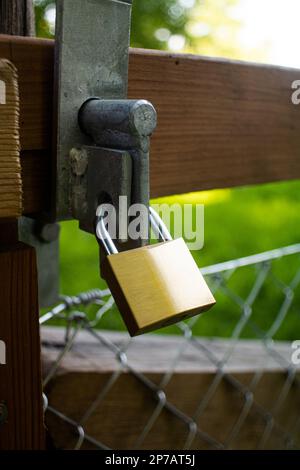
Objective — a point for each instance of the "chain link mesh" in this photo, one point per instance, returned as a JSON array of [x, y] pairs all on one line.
[[242, 316]]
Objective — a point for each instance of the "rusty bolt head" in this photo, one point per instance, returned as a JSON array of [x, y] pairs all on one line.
[[79, 161]]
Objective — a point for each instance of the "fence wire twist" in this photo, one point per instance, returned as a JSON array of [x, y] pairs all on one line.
[[72, 310]]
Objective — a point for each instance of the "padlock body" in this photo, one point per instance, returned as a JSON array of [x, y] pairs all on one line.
[[156, 285]]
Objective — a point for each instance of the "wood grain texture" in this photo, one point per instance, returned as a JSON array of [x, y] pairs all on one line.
[[17, 17], [127, 405], [10, 167], [220, 123], [20, 378], [33, 59]]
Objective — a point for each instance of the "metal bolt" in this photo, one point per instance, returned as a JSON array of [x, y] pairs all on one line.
[[3, 412], [49, 232]]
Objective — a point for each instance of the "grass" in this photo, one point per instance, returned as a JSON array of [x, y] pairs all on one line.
[[238, 222]]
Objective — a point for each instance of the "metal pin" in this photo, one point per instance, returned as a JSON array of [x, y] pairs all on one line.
[[133, 117]]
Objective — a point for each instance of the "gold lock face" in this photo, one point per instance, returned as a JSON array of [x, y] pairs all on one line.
[[156, 285]]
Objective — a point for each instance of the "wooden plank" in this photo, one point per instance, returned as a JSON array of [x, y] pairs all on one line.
[[36, 168], [220, 123], [87, 369], [34, 59], [20, 378]]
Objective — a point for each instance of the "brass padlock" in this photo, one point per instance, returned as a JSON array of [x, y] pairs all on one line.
[[155, 285]]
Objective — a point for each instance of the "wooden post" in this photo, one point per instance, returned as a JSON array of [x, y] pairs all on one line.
[[20, 376], [17, 17]]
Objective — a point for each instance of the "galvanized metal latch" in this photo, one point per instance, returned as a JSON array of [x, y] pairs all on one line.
[[102, 138]]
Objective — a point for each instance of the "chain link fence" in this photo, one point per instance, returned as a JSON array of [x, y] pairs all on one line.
[[241, 392]]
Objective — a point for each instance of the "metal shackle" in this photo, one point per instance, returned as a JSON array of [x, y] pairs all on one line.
[[105, 239]]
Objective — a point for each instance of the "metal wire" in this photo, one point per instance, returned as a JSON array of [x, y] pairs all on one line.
[[242, 310]]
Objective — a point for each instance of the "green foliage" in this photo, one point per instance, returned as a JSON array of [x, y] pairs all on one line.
[[204, 27], [148, 16], [42, 25]]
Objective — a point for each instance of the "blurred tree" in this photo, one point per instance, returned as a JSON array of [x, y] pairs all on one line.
[[208, 27], [148, 17], [154, 22], [214, 29], [203, 26], [43, 27]]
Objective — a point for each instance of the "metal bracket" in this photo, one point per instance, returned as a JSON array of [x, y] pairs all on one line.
[[92, 46], [98, 175], [103, 142]]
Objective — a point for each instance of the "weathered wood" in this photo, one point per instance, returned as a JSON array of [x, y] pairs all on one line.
[[220, 123], [17, 17], [20, 378], [10, 167], [120, 417]]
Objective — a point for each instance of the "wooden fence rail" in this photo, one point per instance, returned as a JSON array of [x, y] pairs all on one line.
[[220, 123], [20, 377], [119, 418]]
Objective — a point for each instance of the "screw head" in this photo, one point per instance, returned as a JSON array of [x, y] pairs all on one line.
[[49, 232], [79, 161]]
